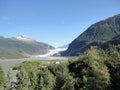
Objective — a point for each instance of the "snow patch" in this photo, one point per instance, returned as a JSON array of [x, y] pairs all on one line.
[[52, 52], [23, 38]]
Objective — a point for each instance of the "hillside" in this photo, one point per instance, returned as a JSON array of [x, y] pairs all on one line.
[[14, 47], [97, 34], [115, 41]]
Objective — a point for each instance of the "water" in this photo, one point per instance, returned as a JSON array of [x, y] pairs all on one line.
[[8, 64]]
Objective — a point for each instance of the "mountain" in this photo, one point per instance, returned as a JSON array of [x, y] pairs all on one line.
[[22, 38], [34, 43], [21, 46], [64, 46], [96, 34], [114, 41]]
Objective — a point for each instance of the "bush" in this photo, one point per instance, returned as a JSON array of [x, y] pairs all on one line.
[[90, 72], [1, 77]]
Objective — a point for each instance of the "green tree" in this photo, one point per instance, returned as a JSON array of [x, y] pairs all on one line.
[[22, 80], [113, 63], [45, 80], [1, 77], [90, 72], [64, 81]]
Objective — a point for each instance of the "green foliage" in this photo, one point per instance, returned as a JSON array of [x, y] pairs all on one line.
[[63, 79], [2, 79], [45, 80], [22, 80], [38, 76], [90, 72], [115, 41], [31, 66], [113, 63], [95, 70], [8, 85], [28, 74]]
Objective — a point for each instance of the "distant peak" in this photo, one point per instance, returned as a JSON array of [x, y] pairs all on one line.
[[23, 38]]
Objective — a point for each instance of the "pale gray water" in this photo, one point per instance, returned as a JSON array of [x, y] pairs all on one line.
[[7, 64]]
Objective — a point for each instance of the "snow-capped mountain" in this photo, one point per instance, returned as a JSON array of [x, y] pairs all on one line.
[[23, 38], [21, 45]]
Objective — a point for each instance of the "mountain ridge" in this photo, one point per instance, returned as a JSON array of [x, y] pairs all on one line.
[[99, 32], [12, 47], [22, 38]]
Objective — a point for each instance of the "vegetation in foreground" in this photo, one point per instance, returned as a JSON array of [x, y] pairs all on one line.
[[95, 70], [1, 78]]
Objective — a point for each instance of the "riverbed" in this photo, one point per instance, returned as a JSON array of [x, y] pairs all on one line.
[[8, 64]]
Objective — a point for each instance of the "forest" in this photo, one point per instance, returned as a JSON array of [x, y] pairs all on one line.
[[96, 69]]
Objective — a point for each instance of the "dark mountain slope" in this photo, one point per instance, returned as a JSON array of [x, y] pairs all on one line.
[[114, 41], [98, 33]]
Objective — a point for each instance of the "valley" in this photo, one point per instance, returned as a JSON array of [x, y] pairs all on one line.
[[95, 67], [53, 52], [7, 64], [59, 45]]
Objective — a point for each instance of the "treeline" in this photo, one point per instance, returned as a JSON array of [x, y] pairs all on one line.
[[95, 70]]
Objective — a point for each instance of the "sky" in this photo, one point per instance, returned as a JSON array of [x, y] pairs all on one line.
[[56, 22]]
